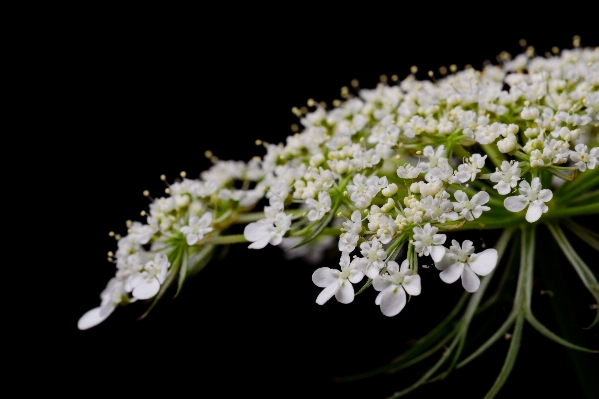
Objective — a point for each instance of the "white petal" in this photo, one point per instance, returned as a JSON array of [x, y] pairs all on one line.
[[380, 283], [260, 243], [356, 276], [534, 212], [439, 239], [323, 277], [91, 318], [327, 293], [460, 196], [452, 273], [412, 284], [502, 187], [372, 272], [256, 231], [393, 301], [377, 300], [445, 262], [545, 195], [192, 239], [345, 293], [404, 266], [515, 204], [470, 281], [484, 262], [147, 290], [437, 253], [480, 198]]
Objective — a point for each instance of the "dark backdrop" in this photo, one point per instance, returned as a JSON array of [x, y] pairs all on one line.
[[150, 98]]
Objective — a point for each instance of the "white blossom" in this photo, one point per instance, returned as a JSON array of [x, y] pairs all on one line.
[[146, 283], [582, 159], [392, 285], [531, 195], [461, 262], [373, 260], [319, 208], [506, 178], [111, 297], [197, 228], [428, 242], [338, 283], [470, 209], [264, 232]]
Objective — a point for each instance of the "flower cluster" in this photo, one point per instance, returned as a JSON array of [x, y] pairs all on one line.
[[390, 167]]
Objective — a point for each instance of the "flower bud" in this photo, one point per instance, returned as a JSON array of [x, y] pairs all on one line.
[[317, 160], [390, 190], [507, 144], [529, 113]]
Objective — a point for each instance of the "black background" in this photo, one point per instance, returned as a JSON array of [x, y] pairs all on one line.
[[147, 97]]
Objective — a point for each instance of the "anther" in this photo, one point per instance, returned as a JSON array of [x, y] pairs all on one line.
[[394, 78], [183, 174], [443, 70], [310, 102], [167, 190], [142, 213], [355, 83], [128, 223], [576, 41], [146, 193], [555, 49], [111, 234], [453, 68], [294, 127], [522, 42], [208, 154], [336, 103], [117, 237], [413, 69], [163, 177], [383, 78]]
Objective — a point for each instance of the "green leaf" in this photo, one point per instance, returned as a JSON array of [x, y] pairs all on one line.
[[510, 359], [204, 257], [583, 271], [586, 235], [546, 332], [182, 270], [498, 334], [318, 228]]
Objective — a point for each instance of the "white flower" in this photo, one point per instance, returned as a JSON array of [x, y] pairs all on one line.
[[373, 260], [462, 262], [507, 144], [111, 297], [427, 241], [529, 113], [266, 231], [469, 170], [338, 283], [319, 208], [197, 228], [365, 189], [507, 178], [470, 209], [386, 229], [583, 159], [435, 157], [530, 194], [146, 283], [408, 171], [392, 297], [353, 226]]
